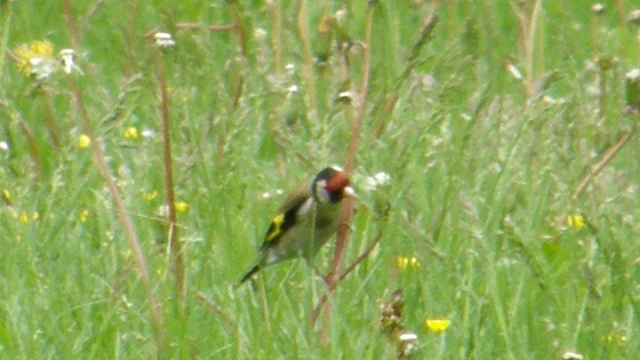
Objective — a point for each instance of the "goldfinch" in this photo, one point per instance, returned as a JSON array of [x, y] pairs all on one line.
[[306, 220]]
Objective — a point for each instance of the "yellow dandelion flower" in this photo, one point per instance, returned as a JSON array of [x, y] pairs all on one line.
[[131, 133], [575, 222], [437, 326], [84, 141], [161, 271], [150, 196], [36, 59], [84, 215], [182, 207], [405, 263], [24, 217]]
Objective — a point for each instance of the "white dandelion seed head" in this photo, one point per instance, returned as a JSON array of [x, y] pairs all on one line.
[[42, 68], [378, 180], [148, 133], [597, 8], [164, 40], [634, 17], [345, 97], [514, 71], [570, 355], [260, 34], [633, 75], [163, 211], [265, 195], [291, 68], [341, 16], [408, 337], [68, 60]]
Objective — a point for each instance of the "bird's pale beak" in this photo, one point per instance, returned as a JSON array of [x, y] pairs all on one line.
[[350, 193]]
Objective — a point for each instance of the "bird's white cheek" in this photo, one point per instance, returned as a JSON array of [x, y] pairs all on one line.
[[321, 193], [305, 209]]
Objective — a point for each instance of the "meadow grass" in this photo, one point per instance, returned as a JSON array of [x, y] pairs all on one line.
[[486, 125]]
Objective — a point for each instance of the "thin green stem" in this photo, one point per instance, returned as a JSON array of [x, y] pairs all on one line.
[[174, 242], [5, 28], [132, 236]]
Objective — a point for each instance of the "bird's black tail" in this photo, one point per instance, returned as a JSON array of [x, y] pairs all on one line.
[[251, 272]]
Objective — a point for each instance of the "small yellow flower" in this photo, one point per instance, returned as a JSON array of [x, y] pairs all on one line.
[[36, 216], [84, 215], [161, 271], [23, 217], [150, 196], [437, 326], [611, 338], [575, 222], [131, 133], [36, 59], [182, 207], [405, 263], [84, 141]]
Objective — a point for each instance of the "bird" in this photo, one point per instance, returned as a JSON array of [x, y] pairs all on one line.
[[306, 220]]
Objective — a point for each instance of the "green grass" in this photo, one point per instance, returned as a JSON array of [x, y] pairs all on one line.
[[483, 167]]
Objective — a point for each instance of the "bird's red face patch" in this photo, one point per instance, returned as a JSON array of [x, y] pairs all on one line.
[[338, 183]]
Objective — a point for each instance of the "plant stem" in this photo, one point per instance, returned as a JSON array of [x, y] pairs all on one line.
[[174, 242], [132, 237]]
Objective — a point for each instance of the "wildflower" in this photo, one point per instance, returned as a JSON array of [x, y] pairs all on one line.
[[378, 180], [634, 17], [291, 69], [266, 195], [68, 61], [408, 345], [613, 338], [164, 40], [163, 211], [24, 217], [4, 146], [148, 133], [150, 196], [260, 34], [513, 70], [575, 222], [84, 141], [597, 8], [84, 215], [182, 207], [293, 89], [345, 97], [570, 355], [341, 16], [36, 59], [405, 262], [391, 315], [437, 326], [131, 133]]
